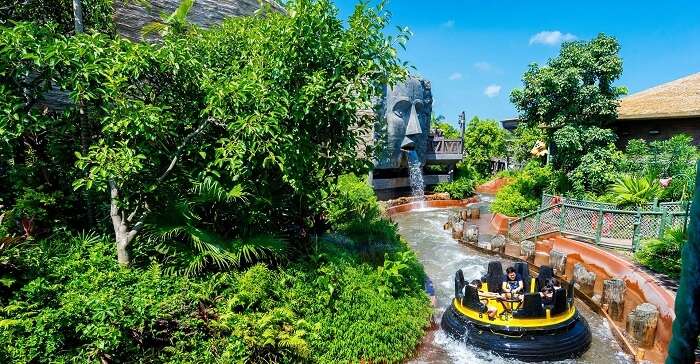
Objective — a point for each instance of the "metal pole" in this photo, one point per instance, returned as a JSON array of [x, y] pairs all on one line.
[[599, 227], [462, 124]]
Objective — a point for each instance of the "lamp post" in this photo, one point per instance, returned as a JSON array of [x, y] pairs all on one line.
[[462, 126]]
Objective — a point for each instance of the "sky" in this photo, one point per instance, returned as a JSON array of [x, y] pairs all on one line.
[[475, 52]]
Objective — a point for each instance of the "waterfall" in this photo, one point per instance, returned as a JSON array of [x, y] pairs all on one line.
[[415, 175]]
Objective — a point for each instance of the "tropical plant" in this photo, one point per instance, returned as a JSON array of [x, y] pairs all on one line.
[[484, 139], [174, 23], [448, 130], [634, 191], [460, 188], [663, 255], [189, 249]]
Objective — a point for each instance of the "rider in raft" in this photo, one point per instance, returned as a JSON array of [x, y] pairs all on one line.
[[522, 328]]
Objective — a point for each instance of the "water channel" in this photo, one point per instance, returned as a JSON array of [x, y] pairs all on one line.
[[442, 256]]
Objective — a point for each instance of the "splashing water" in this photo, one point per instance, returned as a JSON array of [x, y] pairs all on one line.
[[415, 176]]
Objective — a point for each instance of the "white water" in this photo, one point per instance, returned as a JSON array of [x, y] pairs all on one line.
[[415, 176], [442, 256]]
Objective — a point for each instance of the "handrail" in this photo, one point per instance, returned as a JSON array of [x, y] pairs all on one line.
[[610, 227]]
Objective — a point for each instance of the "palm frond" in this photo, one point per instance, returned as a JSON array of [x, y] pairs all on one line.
[[154, 27], [190, 249], [210, 189], [180, 14]]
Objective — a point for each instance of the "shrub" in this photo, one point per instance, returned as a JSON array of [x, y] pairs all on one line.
[[334, 307], [663, 255], [460, 188], [524, 193], [634, 191], [484, 139]]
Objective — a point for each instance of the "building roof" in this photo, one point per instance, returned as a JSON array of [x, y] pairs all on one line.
[[675, 99]]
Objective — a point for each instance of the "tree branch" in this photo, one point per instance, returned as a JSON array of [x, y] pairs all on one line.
[[180, 148]]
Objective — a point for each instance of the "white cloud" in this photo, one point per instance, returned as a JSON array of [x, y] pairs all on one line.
[[455, 76], [448, 24], [483, 66], [551, 37], [492, 90]]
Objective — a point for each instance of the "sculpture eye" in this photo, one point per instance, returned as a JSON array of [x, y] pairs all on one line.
[[402, 108]]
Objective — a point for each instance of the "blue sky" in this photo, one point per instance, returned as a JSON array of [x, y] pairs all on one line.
[[475, 52]]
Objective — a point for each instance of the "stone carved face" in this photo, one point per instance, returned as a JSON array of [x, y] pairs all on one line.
[[406, 123]]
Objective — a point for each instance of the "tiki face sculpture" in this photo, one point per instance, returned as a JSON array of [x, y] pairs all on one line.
[[406, 123]]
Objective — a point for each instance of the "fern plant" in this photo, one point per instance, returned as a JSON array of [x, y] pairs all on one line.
[[178, 234], [634, 191]]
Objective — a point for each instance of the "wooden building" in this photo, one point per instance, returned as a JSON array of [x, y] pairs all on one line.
[[661, 111], [655, 114], [131, 16]]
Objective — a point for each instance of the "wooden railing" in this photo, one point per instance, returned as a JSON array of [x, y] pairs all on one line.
[[445, 146]]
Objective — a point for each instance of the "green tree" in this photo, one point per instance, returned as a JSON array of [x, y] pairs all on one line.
[[576, 87], [483, 139], [263, 104], [523, 140], [573, 98], [448, 130]]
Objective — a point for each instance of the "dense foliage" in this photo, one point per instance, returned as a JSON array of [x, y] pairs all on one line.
[[524, 192], [460, 188], [445, 127], [219, 161], [250, 122], [79, 304], [483, 139], [663, 255], [97, 14]]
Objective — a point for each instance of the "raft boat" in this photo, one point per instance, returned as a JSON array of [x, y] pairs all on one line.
[[524, 330]]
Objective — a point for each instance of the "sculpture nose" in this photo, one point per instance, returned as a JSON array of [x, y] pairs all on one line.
[[413, 127]]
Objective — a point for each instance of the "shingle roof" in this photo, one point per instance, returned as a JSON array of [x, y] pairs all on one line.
[[675, 99]]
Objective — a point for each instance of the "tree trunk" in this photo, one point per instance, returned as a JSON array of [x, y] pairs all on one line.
[[78, 16], [584, 280], [613, 296], [641, 324], [120, 223], [471, 233], [527, 250], [557, 260]]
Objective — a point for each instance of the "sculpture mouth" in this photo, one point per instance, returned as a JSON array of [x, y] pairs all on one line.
[[408, 145]]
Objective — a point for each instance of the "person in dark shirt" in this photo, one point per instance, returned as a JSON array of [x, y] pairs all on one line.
[[484, 298], [512, 284], [547, 295]]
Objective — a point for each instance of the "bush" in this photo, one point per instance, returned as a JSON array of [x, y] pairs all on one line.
[[460, 188], [82, 306], [524, 193], [663, 255]]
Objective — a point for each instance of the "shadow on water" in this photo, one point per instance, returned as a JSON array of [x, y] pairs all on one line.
[[442, 256]]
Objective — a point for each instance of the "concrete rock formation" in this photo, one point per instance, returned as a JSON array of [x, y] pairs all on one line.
[[405, 123], [584, 280], [641, 324]]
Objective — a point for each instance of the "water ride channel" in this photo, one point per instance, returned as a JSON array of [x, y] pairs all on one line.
[[567, 331]]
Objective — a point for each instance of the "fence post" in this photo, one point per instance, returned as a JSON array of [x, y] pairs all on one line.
[[662, 223], [635, 232], [599, 227], [562, 212], [537, 225]]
